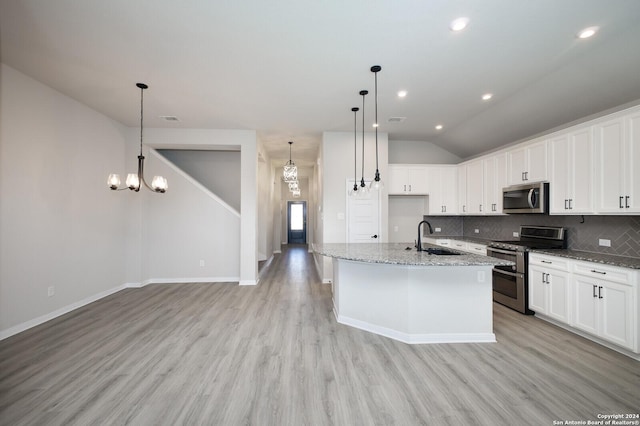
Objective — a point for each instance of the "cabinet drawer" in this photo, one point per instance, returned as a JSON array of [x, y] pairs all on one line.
[[605, 272], [477, 248], [549, 262]]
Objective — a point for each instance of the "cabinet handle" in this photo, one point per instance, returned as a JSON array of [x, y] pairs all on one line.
[[621, 206], [445, 208], [626, 202], [480, 207], [409, 187], [523, 179], [565, 204], [405, 188], [464, 209], [600, 292], [598, 272], [546, 261], [526, 175], [594, 291], [570, 200]]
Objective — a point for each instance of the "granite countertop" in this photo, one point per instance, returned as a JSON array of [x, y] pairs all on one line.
[[396, 254], [607, 259], [459, 238]]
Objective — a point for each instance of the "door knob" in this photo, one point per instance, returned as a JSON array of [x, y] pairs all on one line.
[[374, 236]]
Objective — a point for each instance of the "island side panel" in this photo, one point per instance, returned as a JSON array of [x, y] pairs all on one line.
[[430, 304], [373, 297], [451, 304]]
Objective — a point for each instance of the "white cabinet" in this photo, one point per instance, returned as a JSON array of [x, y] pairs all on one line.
[[605, 305], [618, 155], [527, 163], [442, 184], [549, 290], [599, 300], [571, 172], [407, 179], [473, 248], [471, 191], [495, 179]]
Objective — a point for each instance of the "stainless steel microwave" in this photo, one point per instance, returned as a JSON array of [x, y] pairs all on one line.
[[527, 198]]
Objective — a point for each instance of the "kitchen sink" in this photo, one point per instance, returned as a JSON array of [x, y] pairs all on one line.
[[441, 252]]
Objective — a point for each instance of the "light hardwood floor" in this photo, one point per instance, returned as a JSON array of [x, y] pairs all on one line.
[[221, 354]]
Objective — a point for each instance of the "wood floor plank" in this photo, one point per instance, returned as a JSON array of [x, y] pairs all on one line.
[[222, 354]]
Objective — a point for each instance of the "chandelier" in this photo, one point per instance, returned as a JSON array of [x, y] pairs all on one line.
[[290, 175], [158, 183]]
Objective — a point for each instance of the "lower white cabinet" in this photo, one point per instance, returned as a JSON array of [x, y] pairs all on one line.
[[549, 289], [604, 307], [597, 299]]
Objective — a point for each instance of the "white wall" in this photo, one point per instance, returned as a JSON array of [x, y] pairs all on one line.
[[419, 152], [185, 226], [266, 200], [204, 139], [218, 171], [60, 225], [337, 167], [405, 212]]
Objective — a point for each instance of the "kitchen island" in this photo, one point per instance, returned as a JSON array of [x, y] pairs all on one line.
[[414, 297]]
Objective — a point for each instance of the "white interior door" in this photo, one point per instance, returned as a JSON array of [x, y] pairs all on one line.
[[363, 217]]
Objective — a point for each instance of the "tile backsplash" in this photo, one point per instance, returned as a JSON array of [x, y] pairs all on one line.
[[622, 231]]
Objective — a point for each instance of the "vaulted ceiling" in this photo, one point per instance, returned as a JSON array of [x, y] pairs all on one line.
[[291, 69]]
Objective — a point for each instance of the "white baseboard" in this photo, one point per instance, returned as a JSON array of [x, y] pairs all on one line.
[[66, 309], [249, 282], [190, 280], [416, 339], [58, 312]]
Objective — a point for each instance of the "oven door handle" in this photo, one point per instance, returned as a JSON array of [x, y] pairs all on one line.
[[511, 274], [508, 252]]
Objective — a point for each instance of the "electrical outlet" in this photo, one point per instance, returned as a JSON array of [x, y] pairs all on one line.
[[516, 234], [604, 243], [51, 290], [477, 231], [438, 229]]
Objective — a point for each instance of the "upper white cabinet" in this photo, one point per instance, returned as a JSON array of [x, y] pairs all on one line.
[[617, 158], [475, 187], [407, 179], [527, 163], [571, 172], [495, 178], [442, 184]]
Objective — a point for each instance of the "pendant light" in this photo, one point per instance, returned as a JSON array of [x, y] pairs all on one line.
[[363, 187], [290, 171], [354, 191], [158, 184], [376, 184]]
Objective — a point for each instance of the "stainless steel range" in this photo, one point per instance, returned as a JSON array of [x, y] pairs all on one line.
[[511, 283]]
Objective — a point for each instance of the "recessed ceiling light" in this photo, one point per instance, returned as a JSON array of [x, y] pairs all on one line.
[[459, 24], [402, 93], [487, 96], [588, 32], [169, 118], [439, 127]]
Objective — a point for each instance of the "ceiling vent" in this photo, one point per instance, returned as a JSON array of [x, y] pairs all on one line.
[[169, 117], [396, 119]]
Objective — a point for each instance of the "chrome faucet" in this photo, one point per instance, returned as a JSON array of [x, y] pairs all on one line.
[[419, 244]]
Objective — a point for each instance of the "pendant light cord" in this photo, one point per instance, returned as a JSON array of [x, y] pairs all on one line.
[[355, 147], [376, 116], [141, 115], [363, 93]]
